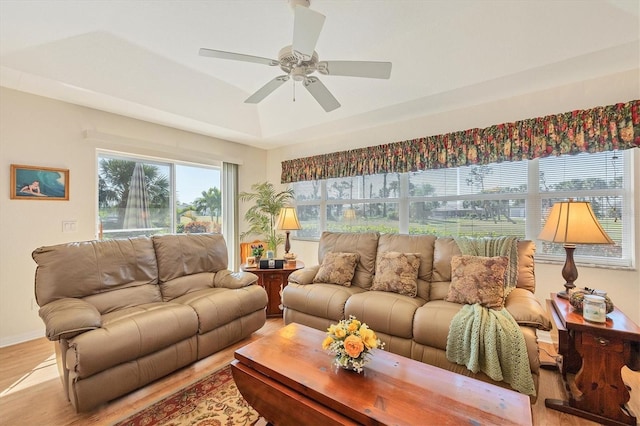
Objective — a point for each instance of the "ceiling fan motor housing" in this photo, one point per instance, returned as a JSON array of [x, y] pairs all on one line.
[[291, 64]]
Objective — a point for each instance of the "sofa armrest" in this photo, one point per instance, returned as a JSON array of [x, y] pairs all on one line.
[[304, 276], [526, 310], [66, 318], [232, 280]]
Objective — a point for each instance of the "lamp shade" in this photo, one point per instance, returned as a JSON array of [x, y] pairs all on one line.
[[573, 222], [349, 213], [288, 219]]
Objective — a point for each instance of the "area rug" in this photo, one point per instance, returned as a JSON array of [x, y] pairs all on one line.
[[211, 401]]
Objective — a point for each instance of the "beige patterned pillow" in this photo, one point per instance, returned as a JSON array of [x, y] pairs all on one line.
[[478, 279], [397, 272], [337, 268]]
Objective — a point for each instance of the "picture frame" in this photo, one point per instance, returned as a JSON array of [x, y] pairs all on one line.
[[39, 183]]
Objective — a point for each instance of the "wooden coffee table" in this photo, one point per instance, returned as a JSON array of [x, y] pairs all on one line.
[[290, 380]]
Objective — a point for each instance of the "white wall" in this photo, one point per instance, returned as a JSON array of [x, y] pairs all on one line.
[[623, 286], [44, 132]]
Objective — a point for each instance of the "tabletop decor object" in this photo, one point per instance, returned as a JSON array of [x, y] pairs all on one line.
[[577, 299], [256, 251], [351, 341], [572, 222]]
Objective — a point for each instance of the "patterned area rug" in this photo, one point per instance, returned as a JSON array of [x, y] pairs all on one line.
[[211, 401]]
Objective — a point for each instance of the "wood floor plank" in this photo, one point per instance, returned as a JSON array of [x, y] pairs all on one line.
[[31, 391]]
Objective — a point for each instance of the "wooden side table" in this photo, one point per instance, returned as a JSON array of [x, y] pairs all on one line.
[[595, 353], [274, 281]]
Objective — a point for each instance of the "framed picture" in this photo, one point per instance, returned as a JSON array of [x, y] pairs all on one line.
[[39, 183]]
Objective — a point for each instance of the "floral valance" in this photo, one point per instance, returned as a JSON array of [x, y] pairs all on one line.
[[591, 130]]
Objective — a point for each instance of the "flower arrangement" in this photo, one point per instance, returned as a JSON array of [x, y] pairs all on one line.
[[351, 342], [257, 249]]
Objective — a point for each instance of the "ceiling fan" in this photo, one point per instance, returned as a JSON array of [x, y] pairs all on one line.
[[300, 60]]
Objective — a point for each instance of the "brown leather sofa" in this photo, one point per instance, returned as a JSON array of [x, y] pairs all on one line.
[[126, 312], [415, 327]]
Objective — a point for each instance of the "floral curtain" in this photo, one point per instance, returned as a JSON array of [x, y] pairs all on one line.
[[591, 130]]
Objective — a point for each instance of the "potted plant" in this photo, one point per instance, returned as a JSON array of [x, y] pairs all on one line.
[[262, 216]]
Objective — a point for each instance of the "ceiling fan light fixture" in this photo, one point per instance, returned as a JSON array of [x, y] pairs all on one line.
[[298, 73]]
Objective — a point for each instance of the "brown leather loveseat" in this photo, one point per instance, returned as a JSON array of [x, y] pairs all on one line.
[[126, 312], [413, 326]]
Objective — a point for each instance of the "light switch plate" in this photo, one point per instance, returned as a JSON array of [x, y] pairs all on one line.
[[69, 226]]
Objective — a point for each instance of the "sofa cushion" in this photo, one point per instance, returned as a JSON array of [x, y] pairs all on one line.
[[66, 318], [388, 313], [527, 310], [526, 268], [337, 268], [478, 279], [445, 248], [87, 268], [129, 334], [216, 307], [364, 243], [423, 245], [319, 300], [443, 251], [186, 284], [187, 254], [431, 328], [397, 272]]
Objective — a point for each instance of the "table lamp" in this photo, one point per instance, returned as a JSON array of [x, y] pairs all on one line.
[[349, 213], [572, 222], [288, 221]]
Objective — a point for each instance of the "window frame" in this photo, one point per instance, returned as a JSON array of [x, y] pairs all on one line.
[[171, 163], [533, 199]]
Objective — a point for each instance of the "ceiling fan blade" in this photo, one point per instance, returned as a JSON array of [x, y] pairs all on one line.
[[356, 68], [237, 57], [266, 90], [320, 92], [306, 31]]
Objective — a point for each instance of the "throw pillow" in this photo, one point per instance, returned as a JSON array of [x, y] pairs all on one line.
[[337, 268], [397, 272], [478, 279]]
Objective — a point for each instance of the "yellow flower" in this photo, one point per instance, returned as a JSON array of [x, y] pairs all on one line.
[[353, 326], [353, 346], [326, 342], [369, 337], [339, 332]]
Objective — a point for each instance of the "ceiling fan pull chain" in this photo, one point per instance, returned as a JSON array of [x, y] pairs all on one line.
[[294, 91]]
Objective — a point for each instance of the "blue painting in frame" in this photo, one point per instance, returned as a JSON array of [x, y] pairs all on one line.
[[39, 183]]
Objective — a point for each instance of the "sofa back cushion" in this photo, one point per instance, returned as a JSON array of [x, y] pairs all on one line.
[[446, 248], [109, 274], [188, 262], [423, 245], [365, 244]]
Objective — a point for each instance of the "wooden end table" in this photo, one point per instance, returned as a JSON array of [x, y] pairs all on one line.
[[274, 281], [287, 378], [595, 353]]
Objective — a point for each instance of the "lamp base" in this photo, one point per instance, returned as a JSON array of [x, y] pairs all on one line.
[[564, 294]]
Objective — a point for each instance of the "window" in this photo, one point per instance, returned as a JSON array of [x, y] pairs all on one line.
[[143, 196], [510, 198]]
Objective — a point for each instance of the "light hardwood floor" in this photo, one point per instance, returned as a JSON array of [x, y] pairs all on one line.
[[31, 392]]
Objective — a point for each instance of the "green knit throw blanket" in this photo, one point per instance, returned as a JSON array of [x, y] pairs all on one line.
[[490, 341], [487, 340]]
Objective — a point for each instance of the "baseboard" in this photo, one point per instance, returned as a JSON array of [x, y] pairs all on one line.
[[20, 338]]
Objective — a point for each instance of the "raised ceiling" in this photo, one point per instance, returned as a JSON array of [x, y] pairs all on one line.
[[140, 58]]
